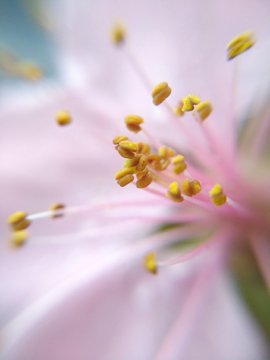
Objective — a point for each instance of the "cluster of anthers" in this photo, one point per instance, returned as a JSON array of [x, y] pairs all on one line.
[[151, 164]]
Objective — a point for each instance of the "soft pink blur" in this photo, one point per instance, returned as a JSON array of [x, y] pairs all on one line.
[[82, 296]]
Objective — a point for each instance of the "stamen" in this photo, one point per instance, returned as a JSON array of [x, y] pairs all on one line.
[[19, 237], [127, 154], [63, 117], [119, 138], [160, 93], [18, 221], [191, 188], [180, 165], [150, 263], [118, 33], [57, 206], [189, 102], [144, 181], [133, 123], [142, 174], [122, 173], [125, 180], [204, 109], [240, 44], [174, 193], [217, 196], [129, 145]]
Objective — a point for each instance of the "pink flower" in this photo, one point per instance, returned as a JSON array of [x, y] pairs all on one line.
[[83, 294]]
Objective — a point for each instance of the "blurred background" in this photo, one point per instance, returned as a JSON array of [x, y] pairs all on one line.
[[26, 43]]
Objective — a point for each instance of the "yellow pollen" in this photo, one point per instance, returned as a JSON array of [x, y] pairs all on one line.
[[204, 109], [218, 198], [142, 163], [119, 138], [178, 159], [191, 188], [133, 162], [144, 182], [160, 93], [162, 164], [194, 99], [63, 117], [57, 206], [180, 165], [174, 193], [18, 238], [154, 157], [240, 44], [189, 102], [125, 180], [165, 152], [150, 263], [127, 154], [18, 221], [216, 190], [145, 149], [133, 123], [118, 33], [122, 173], [142, 174], [128, 145]]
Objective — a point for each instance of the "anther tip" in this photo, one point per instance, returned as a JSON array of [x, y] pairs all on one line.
[[63, 117]]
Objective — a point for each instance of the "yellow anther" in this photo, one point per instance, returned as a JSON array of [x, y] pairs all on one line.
[[194, 99], [122, 173], [119, 138], [160, 93], [166, 152], [154, 157], [18, 221], [191, 188], [127, 154], [142, 174], [162, 164], [196, 187], [218, 198], [179, 168], [187, 104], [18, 238], [133, 162], [150, 263], [174, 188], [174, 193], [240, 44], [55, 207], [128, 145], [204, 109], [63, 117], [118, 33], [142, 163], [133, 123], [178, 159], [144, 182], [125, 180], [180, 165], [145, 149], [216, 190]]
